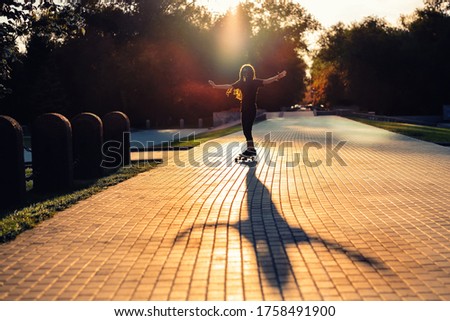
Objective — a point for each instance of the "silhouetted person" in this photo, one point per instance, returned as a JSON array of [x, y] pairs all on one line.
[[246, 90]]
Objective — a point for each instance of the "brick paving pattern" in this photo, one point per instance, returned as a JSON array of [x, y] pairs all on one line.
[[373, 225]]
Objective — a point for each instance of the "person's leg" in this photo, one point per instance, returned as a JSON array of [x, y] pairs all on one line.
[[248, 117]]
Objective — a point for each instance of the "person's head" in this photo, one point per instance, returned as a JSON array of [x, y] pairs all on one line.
[[247, 72]]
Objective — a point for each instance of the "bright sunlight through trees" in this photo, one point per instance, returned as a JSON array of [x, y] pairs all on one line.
[[219, 6]]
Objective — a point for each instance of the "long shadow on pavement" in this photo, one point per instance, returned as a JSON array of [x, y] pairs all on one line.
[[270, 234]]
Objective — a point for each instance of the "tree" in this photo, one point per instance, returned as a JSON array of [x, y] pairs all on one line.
[[329, 84], [150, 59], [385, 69], [438, 5], [13, 25], [289, 20], [140, 61], [429, 47], [271, 37], [279, 43], [40, 29]]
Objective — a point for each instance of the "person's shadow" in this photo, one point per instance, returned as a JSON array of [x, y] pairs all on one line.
[[270, 234]]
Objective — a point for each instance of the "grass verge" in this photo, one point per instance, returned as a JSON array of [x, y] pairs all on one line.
[[41, 207], [203, 137], [426, 133]]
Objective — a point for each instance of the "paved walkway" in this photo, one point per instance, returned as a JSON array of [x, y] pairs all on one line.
[[372, 225]]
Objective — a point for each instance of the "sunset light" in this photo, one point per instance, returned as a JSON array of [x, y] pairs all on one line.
[[329, 12], [219, 6], [257, 159], [231, 39]]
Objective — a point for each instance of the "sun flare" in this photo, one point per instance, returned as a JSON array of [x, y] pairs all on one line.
[[219, 6]]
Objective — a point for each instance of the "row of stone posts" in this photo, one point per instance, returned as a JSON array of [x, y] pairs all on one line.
[[12, 168], [61, 152]]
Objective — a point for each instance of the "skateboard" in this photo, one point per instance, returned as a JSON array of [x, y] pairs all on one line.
[[243, 159]]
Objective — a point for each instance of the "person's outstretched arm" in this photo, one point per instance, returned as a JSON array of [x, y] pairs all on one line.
[[274, 78], [224, 86]]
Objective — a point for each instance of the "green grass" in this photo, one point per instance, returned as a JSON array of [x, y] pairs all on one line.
[[41, 207], [426, 133], [203, 137]]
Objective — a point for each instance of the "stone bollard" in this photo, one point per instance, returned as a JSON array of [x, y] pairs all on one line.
[[116, 135], [87, 131], [12, 167], [52, 153]]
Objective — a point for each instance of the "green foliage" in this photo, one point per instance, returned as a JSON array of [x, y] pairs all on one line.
[[46, 206], [438, 5], [287, 20], [22, 22], [12, 26], [385, 69], [151, 59]]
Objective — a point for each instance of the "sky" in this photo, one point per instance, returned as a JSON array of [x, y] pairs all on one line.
[[330, 12]]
